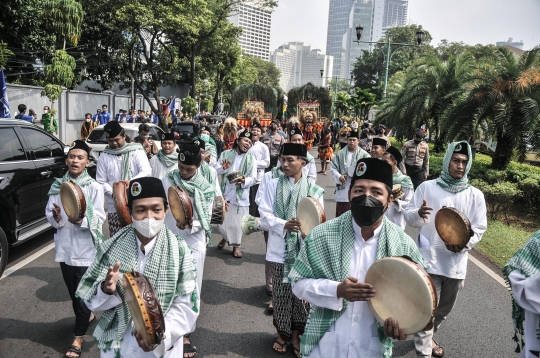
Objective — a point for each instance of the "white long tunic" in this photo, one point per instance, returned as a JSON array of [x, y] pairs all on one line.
[[354, 334], [343, 194], [230, 189], [73, 243], [109, 171], [159, 170], [526, 292], [262, 155], [178, 321], [264, 182], [395, 212], [437, 258], [275, 250], [309, 171]]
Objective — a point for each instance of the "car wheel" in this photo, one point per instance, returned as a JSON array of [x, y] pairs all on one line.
[[3, 251]]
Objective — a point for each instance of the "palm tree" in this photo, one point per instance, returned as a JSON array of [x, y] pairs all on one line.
[[342, 103], [361, 101]]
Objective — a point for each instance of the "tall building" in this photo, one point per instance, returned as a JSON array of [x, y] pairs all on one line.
[[395, 13], [511, 42], [299, 64], [255, 22], [338, 23]]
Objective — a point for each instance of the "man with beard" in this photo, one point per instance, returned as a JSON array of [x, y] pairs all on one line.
[[274, 141], [236, 194], [166, 159], [396, 211], [416, 158], [378, 147], [262, 158], [330, 269]]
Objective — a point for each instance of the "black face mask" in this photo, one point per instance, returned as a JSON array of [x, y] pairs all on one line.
[[418, 141], [366, 210]]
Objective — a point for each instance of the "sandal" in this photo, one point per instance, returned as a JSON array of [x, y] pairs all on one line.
[[282, 345], [189, 348], [222, 244], [73, 349], [434, 354], [237, 254]]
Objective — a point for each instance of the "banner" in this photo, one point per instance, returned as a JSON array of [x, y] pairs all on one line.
[[4, 110]]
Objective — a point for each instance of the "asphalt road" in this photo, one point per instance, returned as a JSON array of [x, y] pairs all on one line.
[[36, 318]]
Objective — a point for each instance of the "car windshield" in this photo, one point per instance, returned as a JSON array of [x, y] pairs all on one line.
[[98, 135], [185, 127]]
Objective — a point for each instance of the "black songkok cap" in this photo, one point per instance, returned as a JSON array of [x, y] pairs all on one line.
[[112, 129], [395, 153], [199, 142], [167, 136], [245, 134], [374, 169], [299, 150], [353, 134], [256, 125], [190, 154], [145, 187], [419, 133], [462, 148], [80, 144], [380, 141], [296, 131]]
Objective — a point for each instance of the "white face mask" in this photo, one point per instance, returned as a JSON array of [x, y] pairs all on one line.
[[148, 227], [88, 119], [45, 111]]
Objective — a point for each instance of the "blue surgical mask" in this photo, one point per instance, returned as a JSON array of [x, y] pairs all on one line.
[[205, 137]]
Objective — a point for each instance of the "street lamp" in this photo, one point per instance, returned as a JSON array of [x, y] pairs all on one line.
[[335, 90], [388, 56]]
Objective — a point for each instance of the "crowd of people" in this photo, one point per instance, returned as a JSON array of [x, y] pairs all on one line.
[[316, 281]]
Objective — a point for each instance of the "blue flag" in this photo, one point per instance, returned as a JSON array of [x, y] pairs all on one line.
[[4, 105]]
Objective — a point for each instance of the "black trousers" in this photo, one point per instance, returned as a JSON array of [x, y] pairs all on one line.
[[253, 207], [72, 276], [416, 174]]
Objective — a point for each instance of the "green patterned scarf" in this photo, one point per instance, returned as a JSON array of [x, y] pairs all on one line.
[[169, 269], [445, 181], [201, 191], [527, 261], [207, 173], [167, 160], [327, 253], [94, 224], [246, 165], [210, 149], [276, 172], [400, 178], [339, 161], [285, 207], [126, 152]]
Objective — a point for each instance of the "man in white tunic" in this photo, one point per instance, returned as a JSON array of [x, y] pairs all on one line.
[[396, 211], [330, 269], [339, 168], [166, 159], [523, 274], [237, 194], [310, 170], [76, 239], [378, 147], [262, 157], [146, 246], [119, 161], [446, 264]]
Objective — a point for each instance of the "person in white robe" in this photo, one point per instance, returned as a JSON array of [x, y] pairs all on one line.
[[146, 246], [446, 264], [76, 239], [310, 170], [206, 136], [166, 159], [236, 195], [119, 161], [262, 156], [396, 211], [330, 269]]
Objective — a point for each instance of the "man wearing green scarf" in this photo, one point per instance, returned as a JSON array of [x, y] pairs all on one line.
[[446, 264], [119, 161], [166, 159], [208, 172], [395, 213], [331, 267], [310, 170]]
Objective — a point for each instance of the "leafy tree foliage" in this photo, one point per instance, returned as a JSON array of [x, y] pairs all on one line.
[[309, 92]]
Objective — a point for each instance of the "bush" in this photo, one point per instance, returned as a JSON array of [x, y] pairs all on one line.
[[500, 197]]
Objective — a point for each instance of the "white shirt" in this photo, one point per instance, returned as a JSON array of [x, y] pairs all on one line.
[[262, 155], [395, 212], [275, 250], [437, 258], [264, 182], [309, 171], [213, 173], [109, 171], [230, 189], [159, 170], [526, 292], [342, 195], [73, 243], [354, 334], [179, 320]]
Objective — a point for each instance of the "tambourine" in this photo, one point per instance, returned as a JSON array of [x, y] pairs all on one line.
[[73, 200]]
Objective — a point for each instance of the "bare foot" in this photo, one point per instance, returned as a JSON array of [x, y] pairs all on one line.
[[237, 253]]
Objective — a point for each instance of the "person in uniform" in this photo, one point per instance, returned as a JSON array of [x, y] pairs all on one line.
[[278, 215], [309, 170], [166, 160], [49, 122], [395, 212], [339, 169], [330, 270], [149, 247], [119, 161], [446, 264], [144, 139], [262, 158], [378, 147], [274, 141], [76, 239], [415, 154]]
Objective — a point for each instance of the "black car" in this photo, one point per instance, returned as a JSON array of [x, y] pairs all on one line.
[[184, 131], [30, 160]]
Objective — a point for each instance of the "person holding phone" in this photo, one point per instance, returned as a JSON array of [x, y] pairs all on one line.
[[146, 141]]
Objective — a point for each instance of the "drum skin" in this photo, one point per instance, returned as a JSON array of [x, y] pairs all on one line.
[[73, 199], [234, 177], [218, 211], [144, 307], [181, 206], [310, 213], [397, 191], [453, 226], [404, 291], [120, 202]]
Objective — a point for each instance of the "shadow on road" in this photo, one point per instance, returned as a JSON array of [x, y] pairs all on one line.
[[226, 256], [51, 291], [223, 344], [218, 293]]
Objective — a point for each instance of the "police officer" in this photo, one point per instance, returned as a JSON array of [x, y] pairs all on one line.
[[416, 158]]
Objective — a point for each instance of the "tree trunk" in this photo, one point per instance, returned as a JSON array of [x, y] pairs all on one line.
[[503, 153]]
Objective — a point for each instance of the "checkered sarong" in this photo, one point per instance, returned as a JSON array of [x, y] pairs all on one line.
[[114, 223]]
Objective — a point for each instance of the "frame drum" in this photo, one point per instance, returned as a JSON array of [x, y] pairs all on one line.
[[181, 206], [310, 213], [218, 211], [397, 191], [120, 202], [405, 292], [144, 307], [234, 177], [453, 226], [73, 199]]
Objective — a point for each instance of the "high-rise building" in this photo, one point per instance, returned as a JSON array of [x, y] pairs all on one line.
[[255, 22], [395, 13], [511, 42], [338, 23], [299, 64]]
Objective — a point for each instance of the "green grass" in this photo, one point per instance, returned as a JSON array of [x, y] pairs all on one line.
[[500, 242]]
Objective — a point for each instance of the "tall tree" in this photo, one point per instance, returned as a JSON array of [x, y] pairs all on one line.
[[361, 102], [64, 19]]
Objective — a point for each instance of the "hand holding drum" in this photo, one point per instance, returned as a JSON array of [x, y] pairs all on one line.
[[454, 228], [73, 201]]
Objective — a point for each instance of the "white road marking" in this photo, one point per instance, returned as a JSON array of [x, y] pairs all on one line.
[[487, 270], [27, 260]]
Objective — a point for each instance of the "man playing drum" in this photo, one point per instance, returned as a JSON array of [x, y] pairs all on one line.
[[149, 247], [278, 216], [446, 264], [75, 238], [166, 159], [310, 170], [330, 269], [339, 169], [396, 211], [119, 161]]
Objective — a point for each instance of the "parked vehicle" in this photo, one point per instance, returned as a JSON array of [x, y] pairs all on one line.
[[183, 131]]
